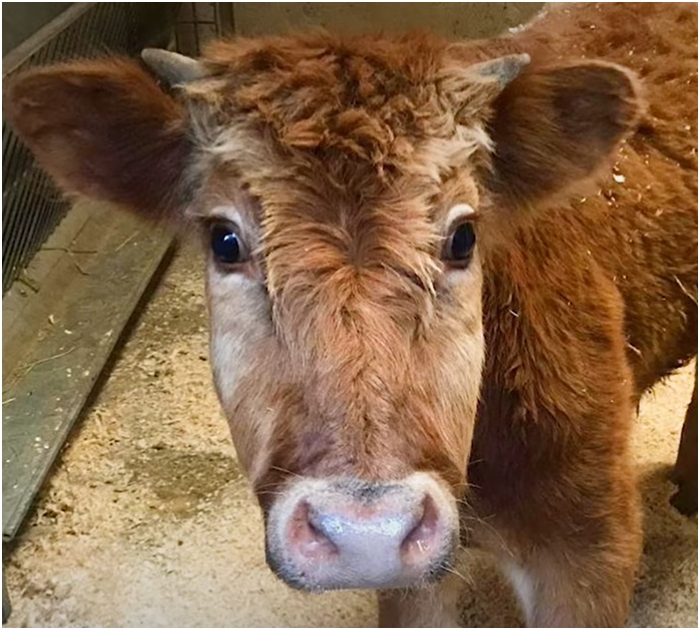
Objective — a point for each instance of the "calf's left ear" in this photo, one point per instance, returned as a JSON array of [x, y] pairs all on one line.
[[553, 128], [103, 128]]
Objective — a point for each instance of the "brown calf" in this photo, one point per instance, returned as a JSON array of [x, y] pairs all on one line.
[[430, 293]]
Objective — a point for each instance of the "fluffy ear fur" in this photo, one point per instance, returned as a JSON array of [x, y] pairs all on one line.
[[554, 127], [103, 128]]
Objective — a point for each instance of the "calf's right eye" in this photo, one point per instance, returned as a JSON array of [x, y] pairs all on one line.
[[227, 247]]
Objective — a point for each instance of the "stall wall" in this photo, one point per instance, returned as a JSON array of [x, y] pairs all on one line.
[[453, 20]]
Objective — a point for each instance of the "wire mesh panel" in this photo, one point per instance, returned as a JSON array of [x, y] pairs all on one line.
[[200, 22], [31, 206]]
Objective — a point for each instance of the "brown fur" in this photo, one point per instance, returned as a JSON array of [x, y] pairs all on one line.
[[346, 347]]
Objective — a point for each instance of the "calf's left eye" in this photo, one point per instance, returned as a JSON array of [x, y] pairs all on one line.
[[460, 245]]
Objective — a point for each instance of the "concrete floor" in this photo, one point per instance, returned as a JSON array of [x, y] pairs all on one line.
[[147, 521]]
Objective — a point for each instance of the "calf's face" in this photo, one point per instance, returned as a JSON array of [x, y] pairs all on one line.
[[346, 192], [346, 343]]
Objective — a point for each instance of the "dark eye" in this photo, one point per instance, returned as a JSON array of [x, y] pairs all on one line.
[[460, 245], [226, 245]]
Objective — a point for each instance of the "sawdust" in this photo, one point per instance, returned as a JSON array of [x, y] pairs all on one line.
[[148, 522]]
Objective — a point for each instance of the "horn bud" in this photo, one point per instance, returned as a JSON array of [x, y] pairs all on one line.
[[173, 68]]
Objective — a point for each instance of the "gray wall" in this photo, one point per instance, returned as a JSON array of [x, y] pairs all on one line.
[[22, 19], [453, 20]]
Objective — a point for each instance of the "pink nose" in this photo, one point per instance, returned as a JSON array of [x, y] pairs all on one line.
[[351, 534]]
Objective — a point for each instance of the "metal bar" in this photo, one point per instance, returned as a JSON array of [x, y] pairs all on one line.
[[225, 19], [16, 57]]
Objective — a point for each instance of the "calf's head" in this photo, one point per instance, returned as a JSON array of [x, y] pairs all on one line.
[[346, 191]]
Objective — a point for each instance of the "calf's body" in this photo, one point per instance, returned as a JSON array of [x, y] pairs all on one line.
[[440, 278]]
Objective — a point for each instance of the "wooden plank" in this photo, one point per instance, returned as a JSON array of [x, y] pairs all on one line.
[[49, 386], [29, 302]]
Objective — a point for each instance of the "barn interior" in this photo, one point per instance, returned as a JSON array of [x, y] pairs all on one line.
[[123, 502]]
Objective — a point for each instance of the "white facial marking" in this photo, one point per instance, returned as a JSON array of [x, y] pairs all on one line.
[[229, 213], [524, 586], [461, 210], [240, 331], [238, 312]]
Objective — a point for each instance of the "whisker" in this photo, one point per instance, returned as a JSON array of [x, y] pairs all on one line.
[[454, 571], [288, 472]]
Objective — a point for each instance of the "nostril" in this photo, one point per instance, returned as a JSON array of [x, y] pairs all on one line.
[[421, 541], [306, 538]]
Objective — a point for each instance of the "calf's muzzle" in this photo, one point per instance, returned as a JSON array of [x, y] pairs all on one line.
[[345, 533]]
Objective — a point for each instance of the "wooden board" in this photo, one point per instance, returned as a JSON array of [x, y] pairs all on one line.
[[62, 324]]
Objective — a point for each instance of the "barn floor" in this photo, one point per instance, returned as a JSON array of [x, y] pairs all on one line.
[[148, 521]]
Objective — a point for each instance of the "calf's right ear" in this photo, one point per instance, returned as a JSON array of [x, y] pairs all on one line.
[[103, 128]]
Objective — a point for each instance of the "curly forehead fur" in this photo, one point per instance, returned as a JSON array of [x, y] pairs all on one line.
[[374, 98]]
